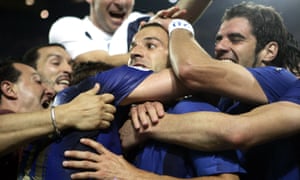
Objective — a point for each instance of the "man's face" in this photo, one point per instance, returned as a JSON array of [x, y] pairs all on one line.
[[31, 92], [149, 49], [235, 42], [108, 15], [54, 66]]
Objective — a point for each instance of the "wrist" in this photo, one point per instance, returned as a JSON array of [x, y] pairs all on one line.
[[180, 24], [57, 131]]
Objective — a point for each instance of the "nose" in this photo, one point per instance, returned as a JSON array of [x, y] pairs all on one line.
[[66, 67], [135, 53], [222, 46]]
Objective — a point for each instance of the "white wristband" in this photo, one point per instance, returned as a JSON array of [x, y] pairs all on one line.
[[182, 24]]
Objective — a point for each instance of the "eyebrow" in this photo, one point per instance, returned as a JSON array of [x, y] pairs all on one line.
[[231, 35], [153, 38]]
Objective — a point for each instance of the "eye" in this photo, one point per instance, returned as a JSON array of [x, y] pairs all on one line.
[[37, 79], [151, 46], [236, 40], [55, 62]]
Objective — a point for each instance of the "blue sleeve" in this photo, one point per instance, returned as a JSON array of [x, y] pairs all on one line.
[[70, 93], [293, 94], [121, 81], [274, 81], [207, 163]]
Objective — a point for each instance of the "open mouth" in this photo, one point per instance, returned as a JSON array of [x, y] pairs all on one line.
[[63, 80], [46, 103], [118, 15]]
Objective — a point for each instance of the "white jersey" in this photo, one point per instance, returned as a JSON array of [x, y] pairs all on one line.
[[81, 35]]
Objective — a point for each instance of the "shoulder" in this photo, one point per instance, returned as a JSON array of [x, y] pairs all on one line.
[[65, 28], [66, 22]]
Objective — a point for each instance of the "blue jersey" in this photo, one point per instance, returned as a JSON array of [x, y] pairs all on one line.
[[266, 161], [43, 159], [293, 94], [283, 155], [274, 81], [172, 160]]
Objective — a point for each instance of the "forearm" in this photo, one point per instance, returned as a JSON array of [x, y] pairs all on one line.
[[161, 86], [204, 131], [195, 8], [209, 131], [103, 56], [20, 128]]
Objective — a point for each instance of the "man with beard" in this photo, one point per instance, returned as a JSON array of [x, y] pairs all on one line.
[[52, 62]]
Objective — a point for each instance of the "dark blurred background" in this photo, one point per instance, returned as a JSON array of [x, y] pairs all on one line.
[[25, 23]]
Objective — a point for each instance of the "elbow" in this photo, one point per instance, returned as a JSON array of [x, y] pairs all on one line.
[[238, 139]]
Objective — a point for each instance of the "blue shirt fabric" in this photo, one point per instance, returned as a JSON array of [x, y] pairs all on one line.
[[172, 160], [43, 159], [283, 155], [293, 94], [266, 161]]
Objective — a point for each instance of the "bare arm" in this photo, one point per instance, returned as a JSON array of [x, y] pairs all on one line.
[[198, 71], [21, 128], [103, 56], [161, 86], [194, 8], [106, 165], [218, 131]]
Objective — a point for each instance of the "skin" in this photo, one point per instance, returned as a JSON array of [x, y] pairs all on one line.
[[27, 94], [54, 66], [149, 49], [101, 16], [218, 131], [27, 98], [108, 15]]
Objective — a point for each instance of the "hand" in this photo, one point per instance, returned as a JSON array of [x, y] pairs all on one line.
[[101, 165], [129, 136], [165, 16], [88, 111], [144, 115]]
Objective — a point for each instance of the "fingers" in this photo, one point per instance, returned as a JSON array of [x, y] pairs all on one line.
[[143, 115], [135, 118], [107, 98], [94, 90], [95, 145]]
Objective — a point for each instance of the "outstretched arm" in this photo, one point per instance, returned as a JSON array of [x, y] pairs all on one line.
[[20, 128], [219, 131]]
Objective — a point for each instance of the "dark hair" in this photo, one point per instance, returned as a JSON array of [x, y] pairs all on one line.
[[82, 70], [8, 72], [267, 25], [32, 55], [292, 54], [155, 24]]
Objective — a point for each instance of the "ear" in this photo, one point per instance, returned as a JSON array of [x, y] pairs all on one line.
[[8, 90], [270, 51]]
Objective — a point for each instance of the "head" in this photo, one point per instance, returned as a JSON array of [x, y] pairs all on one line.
[[252, 35], [21, 88], [108, 15], [53, 63], [149, 48], [82, 70]]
